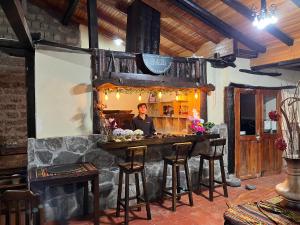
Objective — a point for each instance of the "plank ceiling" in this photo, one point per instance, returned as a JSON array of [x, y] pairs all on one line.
[[181, 33]]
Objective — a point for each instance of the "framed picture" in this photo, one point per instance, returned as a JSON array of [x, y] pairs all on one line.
[[152, 97]]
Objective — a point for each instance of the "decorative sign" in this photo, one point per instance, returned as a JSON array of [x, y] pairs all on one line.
[[156, 64]]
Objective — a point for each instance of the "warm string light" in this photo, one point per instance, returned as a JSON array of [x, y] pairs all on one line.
[[177, 97], [140, 97], [106, 96], [160, 95], [118, 95], [196, 95]]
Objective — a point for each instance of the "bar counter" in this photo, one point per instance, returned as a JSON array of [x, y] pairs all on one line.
[[106, 156], [157, 141]]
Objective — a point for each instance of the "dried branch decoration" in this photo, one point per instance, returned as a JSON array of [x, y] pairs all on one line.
[[290, 109]]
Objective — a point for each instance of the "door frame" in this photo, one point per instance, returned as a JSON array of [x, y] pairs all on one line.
[[250, 138]]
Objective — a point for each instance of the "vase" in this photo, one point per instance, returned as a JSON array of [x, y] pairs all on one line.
[[289, 189]]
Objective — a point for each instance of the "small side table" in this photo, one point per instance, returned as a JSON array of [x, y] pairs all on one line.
[[65, 174]]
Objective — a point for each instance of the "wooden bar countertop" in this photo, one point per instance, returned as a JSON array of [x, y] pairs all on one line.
[[157, 141]]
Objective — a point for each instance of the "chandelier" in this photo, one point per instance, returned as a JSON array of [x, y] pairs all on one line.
[[265, 16]]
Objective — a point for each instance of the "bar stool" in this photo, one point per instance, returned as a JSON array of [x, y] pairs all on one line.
[[217, 155], [133, 167], [180, 158]]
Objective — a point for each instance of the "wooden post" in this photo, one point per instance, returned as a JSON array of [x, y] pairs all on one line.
[[30, 80], [143, 28], [92, 23], [93, 44]]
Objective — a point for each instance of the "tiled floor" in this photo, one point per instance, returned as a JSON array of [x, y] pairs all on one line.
[[203, 212]]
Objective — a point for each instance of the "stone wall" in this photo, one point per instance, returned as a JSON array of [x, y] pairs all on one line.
[[13, 116], [48, 25], [52, 151]]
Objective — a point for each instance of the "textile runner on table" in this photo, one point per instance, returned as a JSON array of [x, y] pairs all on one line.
[[263, 213]]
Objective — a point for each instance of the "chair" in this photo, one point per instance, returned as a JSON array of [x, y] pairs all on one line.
[[182, 151], [211, 157], [25, 206], [133, 166]]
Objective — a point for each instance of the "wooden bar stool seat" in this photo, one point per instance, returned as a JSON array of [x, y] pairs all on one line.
[[211, 156], [180, 158], [133, 167]]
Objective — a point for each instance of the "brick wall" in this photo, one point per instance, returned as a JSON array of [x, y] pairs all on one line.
[[48, 25], [13, 115], [13, 125]]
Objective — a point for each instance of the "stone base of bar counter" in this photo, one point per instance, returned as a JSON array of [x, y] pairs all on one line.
[[65, 202]]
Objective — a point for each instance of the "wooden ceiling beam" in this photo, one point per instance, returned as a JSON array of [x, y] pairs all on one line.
[[15, 15], [163, 9], [296, 2], [70, 11], [246, 12], [277, 55], [205, 16]]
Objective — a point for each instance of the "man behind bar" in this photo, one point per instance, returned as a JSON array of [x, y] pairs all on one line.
[[143, 122]]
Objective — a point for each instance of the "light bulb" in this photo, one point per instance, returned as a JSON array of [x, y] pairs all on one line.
[[106, 97], [255, 22], [118, 41], [160, 95], [177, 97], [196, 95], [140, 97], [274, 19], [118, 95]]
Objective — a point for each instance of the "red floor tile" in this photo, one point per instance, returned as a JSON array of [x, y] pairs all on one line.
[[203, 212]]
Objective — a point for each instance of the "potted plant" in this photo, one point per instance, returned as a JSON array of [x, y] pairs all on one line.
[[289, 144]]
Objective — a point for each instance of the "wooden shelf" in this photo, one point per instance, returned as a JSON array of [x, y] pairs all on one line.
[[168, 102], [170, 117]]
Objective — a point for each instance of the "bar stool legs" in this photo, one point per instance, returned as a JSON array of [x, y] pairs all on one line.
[[146, 196], [176, 189], [200, 174], [137, 188], [119, 193], [211, 179], [164, 181], [189, 183], [137, 197], [223, 178]]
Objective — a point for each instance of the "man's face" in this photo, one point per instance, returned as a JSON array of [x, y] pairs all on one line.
[[143, 109]]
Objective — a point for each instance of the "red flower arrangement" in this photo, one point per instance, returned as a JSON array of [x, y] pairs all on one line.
[[274, 115], [280, 144]]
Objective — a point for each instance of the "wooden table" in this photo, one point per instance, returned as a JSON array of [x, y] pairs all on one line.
[[44, 176]]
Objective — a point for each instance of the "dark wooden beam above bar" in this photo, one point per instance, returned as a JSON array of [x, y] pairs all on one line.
[[122, 25], [15, 15], [70, 11], [296, 2], [205, 16], [92, 23], [146, 80], [246, 12], [260, 73], [164, 10]]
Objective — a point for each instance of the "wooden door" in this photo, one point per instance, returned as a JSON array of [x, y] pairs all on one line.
[[247, 133], [272, 158]]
